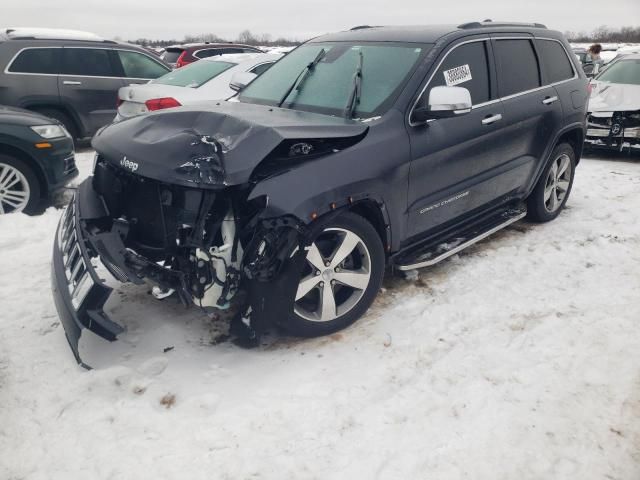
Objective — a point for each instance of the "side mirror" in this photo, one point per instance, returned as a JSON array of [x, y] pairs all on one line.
[[240, 80], [444, 102]]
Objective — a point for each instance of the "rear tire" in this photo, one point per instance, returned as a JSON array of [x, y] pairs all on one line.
[[552, 191], [19, 187], [64, 119], [341, 278]]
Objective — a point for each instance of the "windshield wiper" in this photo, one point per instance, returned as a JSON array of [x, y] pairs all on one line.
[[302, 76], [356, 90]]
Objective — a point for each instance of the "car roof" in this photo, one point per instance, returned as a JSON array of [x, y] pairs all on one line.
[[244, 57], [192, 46], [426, 33]]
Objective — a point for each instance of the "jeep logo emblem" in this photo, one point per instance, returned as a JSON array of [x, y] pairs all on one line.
[[133, 166], [615, 130]]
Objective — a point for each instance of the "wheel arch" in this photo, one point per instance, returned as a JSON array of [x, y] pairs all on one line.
[[575, 138], [13, 151], [372, 212]]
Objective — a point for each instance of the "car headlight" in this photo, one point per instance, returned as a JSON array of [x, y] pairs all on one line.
[[50, 131]]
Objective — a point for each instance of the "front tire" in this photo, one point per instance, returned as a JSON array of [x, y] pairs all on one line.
[[341, 278], [554, 186], [19, 187]]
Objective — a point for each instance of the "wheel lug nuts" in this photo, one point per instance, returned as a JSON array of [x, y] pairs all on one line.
[[317, 272], [326, 264], [337, 269], [322, 284]]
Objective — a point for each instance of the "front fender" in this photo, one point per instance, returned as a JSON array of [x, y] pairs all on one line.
[[375, 169]]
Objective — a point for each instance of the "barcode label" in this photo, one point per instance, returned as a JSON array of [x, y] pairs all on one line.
[[457, 75]]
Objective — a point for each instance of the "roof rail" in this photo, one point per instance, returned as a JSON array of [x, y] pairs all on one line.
[[21, 33], [490, 23]]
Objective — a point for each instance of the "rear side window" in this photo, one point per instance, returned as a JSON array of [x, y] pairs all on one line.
[[37, 60], [517, 64], [466, 66], [210, 52], [138, 65], [259, 69], [91, 62], [557, 66]]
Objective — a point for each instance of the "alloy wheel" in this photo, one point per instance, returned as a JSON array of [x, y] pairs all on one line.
[[557, 184], [14, 189], [335, 277]]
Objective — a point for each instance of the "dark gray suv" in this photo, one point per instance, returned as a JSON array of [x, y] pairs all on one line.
[[73, 77], [377, 147]]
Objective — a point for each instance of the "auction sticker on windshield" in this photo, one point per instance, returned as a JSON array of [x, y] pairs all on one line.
[[457, 75]]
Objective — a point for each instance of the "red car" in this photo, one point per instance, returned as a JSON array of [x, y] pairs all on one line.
[[180, 55]]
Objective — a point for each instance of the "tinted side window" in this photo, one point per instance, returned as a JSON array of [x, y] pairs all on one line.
[[261, 68], [517, 66], [137, 65], [37, 60], [473, 55], [91, 62], [210, 52], [557, 66]]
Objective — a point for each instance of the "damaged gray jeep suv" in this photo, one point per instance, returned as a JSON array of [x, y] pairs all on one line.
[[372, 148]]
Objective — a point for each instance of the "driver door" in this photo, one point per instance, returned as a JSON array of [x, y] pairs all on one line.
[[455, 165]]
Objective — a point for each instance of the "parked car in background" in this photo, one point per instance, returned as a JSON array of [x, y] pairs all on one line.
[[581, 54], [36, 160], [614, 106], [206, 80], [180, 55], [380, 146], [71, 76]]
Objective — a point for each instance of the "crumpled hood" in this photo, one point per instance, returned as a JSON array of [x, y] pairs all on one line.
[[614, 97], [212, 144]]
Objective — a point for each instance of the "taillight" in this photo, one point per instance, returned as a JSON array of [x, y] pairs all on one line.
[[119, 101], [589, 88], [160, 103], [182, 61]]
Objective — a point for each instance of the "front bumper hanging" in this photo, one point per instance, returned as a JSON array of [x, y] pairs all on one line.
[[78, 292]]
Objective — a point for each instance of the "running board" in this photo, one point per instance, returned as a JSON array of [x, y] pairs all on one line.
[[434, 252]]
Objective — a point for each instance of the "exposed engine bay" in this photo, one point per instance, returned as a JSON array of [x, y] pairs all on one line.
[[179, 210]]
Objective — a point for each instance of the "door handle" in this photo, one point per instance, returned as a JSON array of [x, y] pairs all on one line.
[[550, 100], [491, 119], [71, 82]]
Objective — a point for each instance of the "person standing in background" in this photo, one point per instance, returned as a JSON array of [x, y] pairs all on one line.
[[593, 54]]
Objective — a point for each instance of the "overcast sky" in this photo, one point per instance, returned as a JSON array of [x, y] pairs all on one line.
[[301, 19]]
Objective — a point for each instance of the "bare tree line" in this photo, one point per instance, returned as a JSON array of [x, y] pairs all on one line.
[[605, 34], [245, 37]]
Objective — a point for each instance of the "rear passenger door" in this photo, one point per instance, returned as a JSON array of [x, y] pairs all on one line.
[[455, 167], [532, 111], [88, 83]]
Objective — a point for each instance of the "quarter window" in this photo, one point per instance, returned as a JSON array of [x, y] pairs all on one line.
[[557, 66], [91, 62], [517, 66], [37, 60], [470, 61], [137, 65]]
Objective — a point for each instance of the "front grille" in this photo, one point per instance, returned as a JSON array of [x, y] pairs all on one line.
[[70, 165], [79, 280], [603, 122]]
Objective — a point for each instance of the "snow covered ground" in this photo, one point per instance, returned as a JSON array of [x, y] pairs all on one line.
[[517, 359]]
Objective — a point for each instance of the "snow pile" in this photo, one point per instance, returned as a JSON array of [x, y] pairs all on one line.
[[516, 359]]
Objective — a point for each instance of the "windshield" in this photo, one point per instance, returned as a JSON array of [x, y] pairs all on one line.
[[328, 86], [195, 74], [622, 71]]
